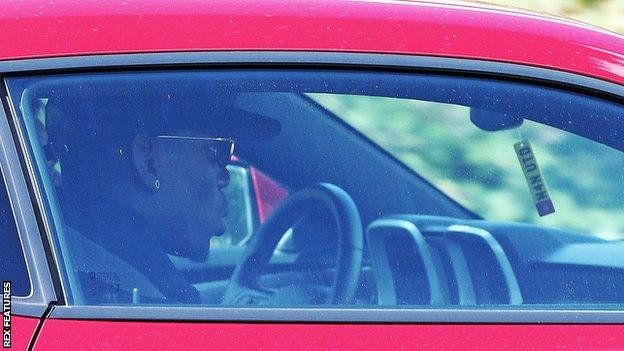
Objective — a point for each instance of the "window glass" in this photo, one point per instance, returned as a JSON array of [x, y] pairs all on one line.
[[477, 168], [251, 196], [325, 188], [12, 261]]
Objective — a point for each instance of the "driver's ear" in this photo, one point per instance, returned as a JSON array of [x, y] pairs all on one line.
[[145, 160]]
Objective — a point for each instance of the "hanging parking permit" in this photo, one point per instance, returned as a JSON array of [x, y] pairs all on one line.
[[534, 178]]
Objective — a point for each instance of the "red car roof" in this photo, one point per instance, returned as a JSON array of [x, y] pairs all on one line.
[[65, 27]]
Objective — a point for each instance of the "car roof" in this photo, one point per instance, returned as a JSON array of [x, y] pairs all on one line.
[[33, 29]]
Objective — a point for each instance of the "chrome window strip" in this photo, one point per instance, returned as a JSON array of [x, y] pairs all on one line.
[[316, 59], [538, 314]]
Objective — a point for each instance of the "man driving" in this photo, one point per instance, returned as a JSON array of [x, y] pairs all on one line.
[[142, 178]]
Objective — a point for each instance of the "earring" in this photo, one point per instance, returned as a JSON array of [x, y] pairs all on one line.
[[157, 184]]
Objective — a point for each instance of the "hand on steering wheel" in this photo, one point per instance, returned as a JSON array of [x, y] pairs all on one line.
[[244, 287]]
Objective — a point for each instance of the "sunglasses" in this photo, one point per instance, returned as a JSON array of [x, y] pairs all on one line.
[[221, 149]]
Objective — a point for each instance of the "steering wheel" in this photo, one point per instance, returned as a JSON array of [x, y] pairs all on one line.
[[244, 288]]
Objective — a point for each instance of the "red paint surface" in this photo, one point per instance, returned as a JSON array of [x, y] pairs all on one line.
[[71, 335], [268, 193], [73, 27], [22, 329], [70, 27]]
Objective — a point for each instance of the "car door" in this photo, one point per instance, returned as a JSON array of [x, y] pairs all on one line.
[[413, 291]]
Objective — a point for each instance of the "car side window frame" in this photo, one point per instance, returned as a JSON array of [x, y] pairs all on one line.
[[42, 294], [455, 66], [15, 270]]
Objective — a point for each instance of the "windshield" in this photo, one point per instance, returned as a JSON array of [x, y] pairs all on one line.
[[479, 168]]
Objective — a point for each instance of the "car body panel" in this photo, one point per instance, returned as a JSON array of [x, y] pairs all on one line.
[[268, 193], [43, 29], [22, 331], [39, 29], [250, 336]]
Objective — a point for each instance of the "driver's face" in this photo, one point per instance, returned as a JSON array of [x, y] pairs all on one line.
[[190, 196]]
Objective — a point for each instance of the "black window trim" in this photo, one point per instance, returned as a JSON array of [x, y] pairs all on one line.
[[279, 59]]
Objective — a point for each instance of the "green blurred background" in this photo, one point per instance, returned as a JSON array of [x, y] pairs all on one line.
[[608, 14], [480, 169]]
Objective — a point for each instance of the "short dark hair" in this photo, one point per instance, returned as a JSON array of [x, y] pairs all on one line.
[[110, 120], [92, 128]]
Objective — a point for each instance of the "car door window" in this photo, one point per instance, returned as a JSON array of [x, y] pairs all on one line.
[[303, 188], [12, 262]]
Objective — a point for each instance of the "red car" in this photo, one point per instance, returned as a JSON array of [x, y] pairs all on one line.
[[304, 174]]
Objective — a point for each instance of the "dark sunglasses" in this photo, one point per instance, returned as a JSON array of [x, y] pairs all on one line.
[[221, 149]]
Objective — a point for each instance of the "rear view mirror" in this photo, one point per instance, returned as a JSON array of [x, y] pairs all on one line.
[[492, 121]]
